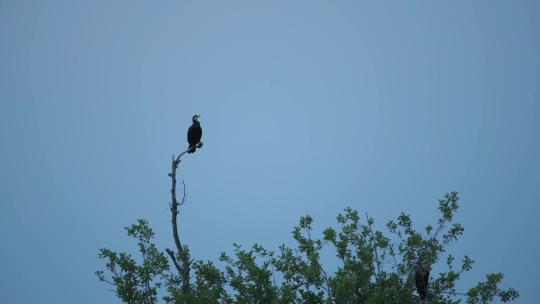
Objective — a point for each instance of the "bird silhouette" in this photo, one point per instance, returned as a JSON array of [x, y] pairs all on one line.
[[421, 280], [194, 135]]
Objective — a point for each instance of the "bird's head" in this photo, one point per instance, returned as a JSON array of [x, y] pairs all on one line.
[[196, 118]]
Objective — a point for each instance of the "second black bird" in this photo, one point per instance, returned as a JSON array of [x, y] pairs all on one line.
[[421, 280]]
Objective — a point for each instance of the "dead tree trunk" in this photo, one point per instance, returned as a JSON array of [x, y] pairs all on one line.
[[181, 258]]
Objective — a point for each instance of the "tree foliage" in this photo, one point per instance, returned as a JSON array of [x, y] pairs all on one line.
[[373, 267]]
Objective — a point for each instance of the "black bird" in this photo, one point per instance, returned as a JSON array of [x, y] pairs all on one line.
[[194, 135], [421, 280]]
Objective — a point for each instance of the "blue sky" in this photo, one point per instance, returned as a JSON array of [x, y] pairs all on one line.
[[307, 107]]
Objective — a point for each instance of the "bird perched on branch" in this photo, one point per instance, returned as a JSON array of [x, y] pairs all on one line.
[[421, 279], [194, 135]]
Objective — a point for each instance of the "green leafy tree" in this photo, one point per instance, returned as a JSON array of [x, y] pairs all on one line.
[[373, 266]]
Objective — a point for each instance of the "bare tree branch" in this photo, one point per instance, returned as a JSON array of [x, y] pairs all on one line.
[[174, 201], [184, 267], [173, 258]]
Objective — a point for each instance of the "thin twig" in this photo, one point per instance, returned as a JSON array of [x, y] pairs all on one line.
[[107, 281], [327, 285], [374, 246], [452, 293]]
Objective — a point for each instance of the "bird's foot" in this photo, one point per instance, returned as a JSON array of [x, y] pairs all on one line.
[[200, 144]]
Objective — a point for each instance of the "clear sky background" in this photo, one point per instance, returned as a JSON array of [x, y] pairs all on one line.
[[307, 107]]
